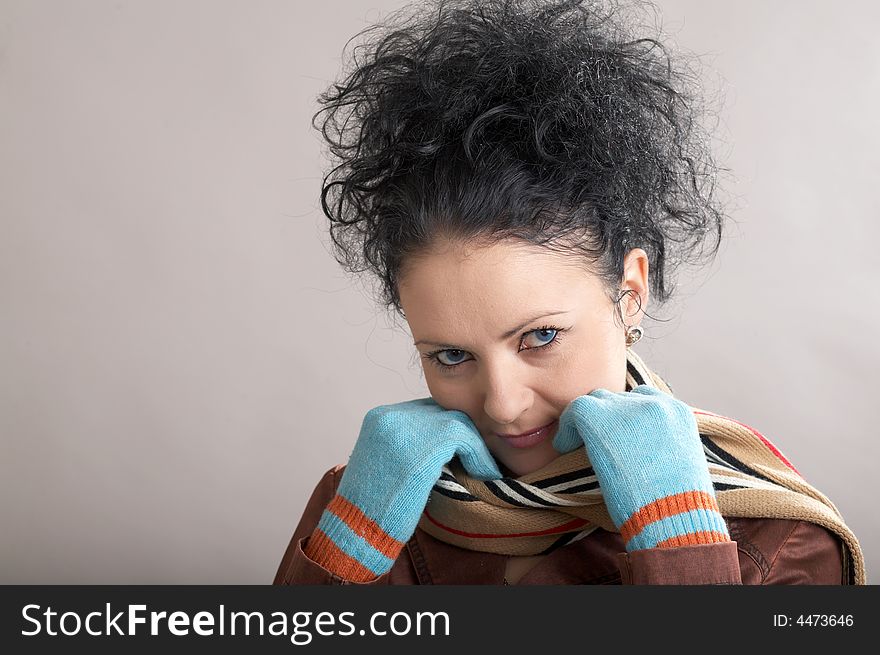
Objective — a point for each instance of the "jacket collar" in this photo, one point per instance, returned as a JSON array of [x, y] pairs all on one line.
[[591, 560], [439, 563]]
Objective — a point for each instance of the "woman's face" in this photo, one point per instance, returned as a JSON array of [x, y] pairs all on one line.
[[511, 333]]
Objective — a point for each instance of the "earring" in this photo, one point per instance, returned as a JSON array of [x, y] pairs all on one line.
[[633, 334]]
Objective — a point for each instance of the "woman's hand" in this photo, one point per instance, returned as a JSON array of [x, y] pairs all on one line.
[[646, 451], [397, 459]]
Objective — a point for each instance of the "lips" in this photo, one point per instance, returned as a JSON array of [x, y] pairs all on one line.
[[529, 439]]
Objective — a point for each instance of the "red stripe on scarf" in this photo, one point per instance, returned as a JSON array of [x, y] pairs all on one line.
[[760, 436], [566, 527]]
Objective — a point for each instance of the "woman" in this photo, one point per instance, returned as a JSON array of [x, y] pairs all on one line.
[[523, 178]]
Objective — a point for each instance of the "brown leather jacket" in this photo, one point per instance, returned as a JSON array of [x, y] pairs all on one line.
[[762, 551]]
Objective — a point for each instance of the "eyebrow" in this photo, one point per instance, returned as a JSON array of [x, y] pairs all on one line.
[[506, 335]]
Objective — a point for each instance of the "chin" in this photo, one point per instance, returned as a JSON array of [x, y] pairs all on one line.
[[529, 462]]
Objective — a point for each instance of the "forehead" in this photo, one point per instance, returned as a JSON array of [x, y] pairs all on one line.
[[460, 260], [499, 280]]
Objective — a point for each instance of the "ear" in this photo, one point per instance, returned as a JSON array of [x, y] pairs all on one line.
[[635, 278]]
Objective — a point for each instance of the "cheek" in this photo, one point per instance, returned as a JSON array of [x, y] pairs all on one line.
[[591, 367], [450, 395]]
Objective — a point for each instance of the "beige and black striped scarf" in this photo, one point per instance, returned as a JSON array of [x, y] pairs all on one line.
[[536, 513]]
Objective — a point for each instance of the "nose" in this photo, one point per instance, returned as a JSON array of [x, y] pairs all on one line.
[[508, 394]]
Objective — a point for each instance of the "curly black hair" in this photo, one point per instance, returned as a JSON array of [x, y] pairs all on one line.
[[549, 122]]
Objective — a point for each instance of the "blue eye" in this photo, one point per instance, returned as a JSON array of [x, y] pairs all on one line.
[[543, 334], [446, 352], [547, 337]]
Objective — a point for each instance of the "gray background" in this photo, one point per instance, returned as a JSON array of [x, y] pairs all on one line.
[[181, 358]]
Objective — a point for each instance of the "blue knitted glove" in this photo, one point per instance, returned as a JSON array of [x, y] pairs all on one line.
[[396, 461], [646, 451]]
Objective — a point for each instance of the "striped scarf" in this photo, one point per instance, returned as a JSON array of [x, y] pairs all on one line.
[[561, 503]]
